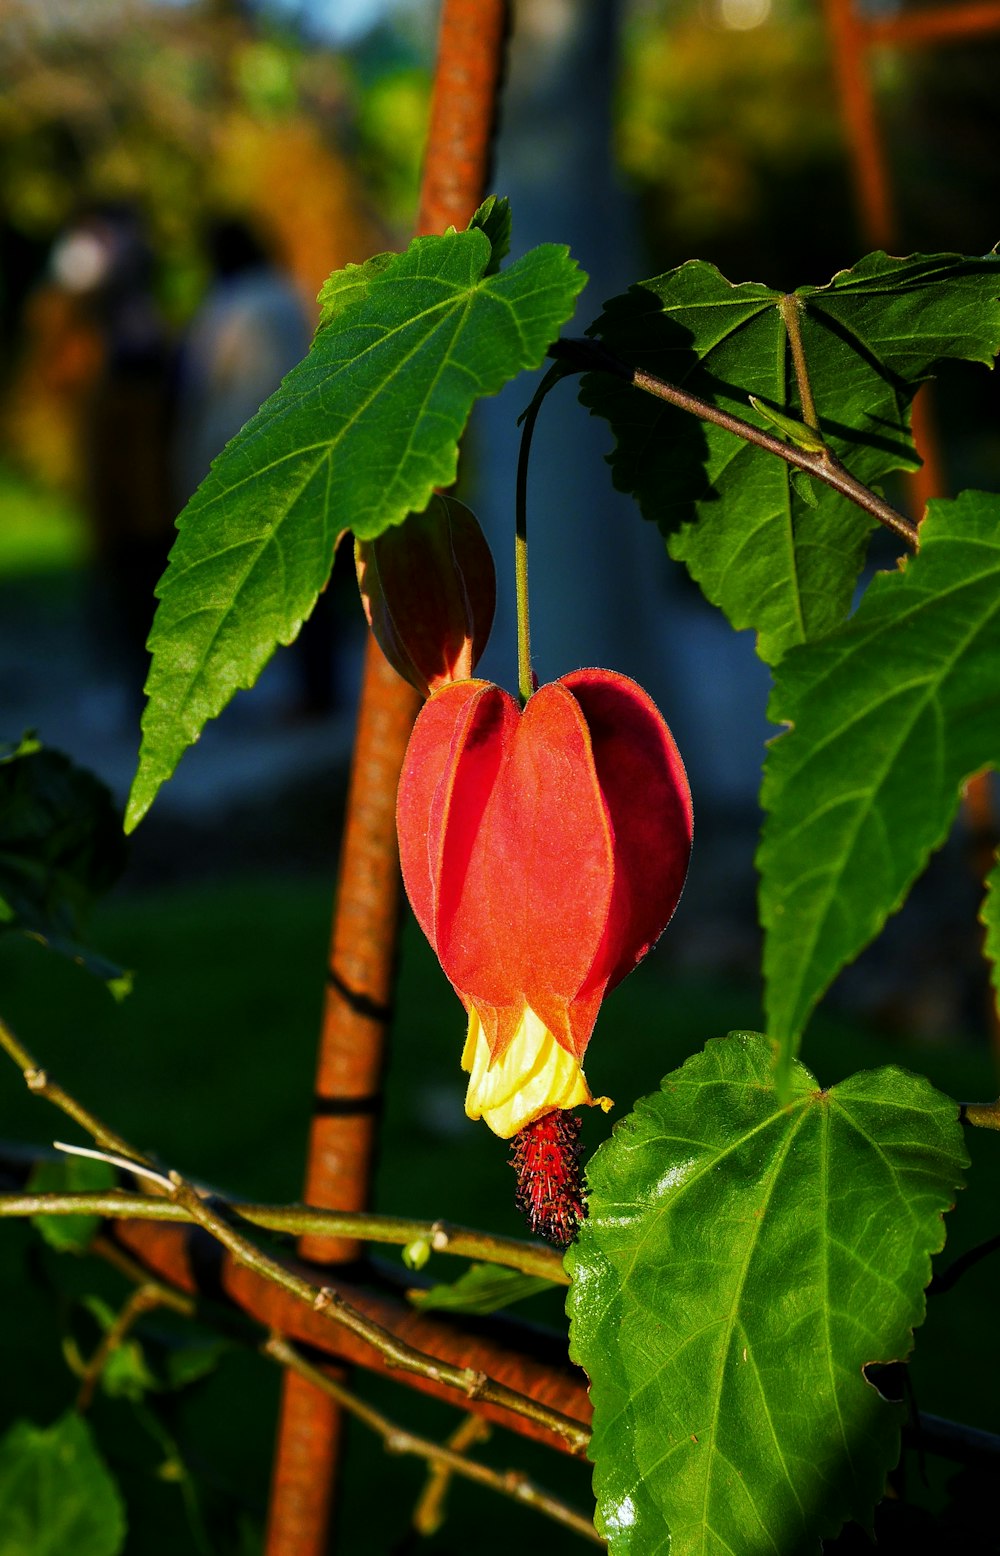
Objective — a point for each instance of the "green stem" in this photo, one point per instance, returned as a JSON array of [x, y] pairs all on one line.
[[142, 1301], [525, 677], [790, 309], [302, 1220]]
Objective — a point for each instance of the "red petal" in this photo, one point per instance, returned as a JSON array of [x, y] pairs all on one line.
[[531, 912], [448, 774], [646, 792]]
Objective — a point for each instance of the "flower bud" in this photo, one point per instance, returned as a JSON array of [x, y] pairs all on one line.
[[429, 591]]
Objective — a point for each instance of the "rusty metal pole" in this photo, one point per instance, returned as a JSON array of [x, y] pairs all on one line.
[[851, 39], [363, 940]]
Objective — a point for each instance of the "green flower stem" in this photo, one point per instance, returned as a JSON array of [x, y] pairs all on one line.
[[588, 356], [298, 1220], [525, 679], [398, 1440], [325, 1299], [527, 419]]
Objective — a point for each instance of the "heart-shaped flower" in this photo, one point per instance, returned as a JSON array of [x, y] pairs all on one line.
[[543, 852]]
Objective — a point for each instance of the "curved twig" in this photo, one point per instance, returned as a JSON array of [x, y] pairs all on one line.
[[323, 1299], [399, 1440]]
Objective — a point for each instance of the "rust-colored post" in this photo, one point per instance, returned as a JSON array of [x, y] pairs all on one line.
[[363, 940], [869, 170], [851, 38]]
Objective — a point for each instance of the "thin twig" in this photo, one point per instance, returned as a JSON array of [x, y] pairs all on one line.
[[822, 464], [138, 1274], [38, 1081], [430, 1513], [113, 1161], [296, 1220], [395, 1352], [141, 1301], [398, 1440]]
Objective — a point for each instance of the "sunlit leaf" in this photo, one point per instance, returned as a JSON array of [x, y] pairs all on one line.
[[358, 435], [742, 1262], [889, 716]]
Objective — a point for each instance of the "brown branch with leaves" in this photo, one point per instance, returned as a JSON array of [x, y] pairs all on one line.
[[310, 1305]]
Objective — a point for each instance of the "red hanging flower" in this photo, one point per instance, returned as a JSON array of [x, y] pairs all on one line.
[[543, 852]]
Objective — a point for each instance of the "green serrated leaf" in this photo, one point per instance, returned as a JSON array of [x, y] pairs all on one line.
[[61, 847], [889, 716], [493, 217], [732, 513], [357, 436], [56, 1493], [70, 1175], [742, 1261], [350, 285], [483, 1288]]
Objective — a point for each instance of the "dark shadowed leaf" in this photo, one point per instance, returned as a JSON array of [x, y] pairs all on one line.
[[61, 847], [483, 1288], [734, 514], [70, 1175]]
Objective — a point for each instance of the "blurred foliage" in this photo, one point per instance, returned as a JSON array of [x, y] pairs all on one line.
[[718, 117], [730, 128], [185, 113]]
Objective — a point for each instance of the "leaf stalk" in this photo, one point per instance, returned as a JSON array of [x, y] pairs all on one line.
[[587, 356]]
